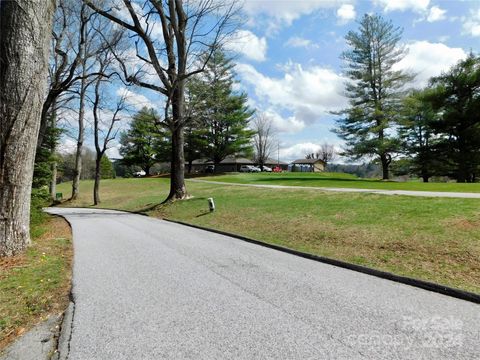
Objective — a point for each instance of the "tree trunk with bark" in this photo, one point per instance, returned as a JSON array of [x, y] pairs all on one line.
[[385, 159], [178, 189], [81, 129], [25, 28], [96, 185]]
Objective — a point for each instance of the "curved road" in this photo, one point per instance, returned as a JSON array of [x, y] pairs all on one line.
[[148, 289]]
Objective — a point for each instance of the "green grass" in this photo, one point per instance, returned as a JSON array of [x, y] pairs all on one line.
[[340, 181], [436, 239], [35, 284]]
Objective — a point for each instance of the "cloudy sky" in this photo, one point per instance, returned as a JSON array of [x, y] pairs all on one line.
[[288, 57]]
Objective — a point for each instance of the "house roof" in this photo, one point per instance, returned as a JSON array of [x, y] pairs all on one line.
[[202, 162], [308, 161], [234, 160], [227, 161]]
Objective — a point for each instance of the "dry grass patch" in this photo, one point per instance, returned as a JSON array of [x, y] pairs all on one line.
[[36, 284]]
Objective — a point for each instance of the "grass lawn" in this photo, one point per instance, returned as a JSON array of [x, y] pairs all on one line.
[[35, 284], [338, 180], [434, 239]]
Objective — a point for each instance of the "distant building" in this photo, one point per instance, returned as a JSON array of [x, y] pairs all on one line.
[[271, 163], [232, 164], [308, 165]]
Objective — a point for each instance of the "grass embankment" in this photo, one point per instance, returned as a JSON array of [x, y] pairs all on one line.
[[35, 284], [435, 239], [339, 181]]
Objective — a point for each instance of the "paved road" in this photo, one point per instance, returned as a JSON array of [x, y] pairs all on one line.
[[349, 190], [148, 289]]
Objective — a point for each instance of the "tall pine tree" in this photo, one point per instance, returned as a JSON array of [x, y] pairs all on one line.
[[222, 112], [375, 90]]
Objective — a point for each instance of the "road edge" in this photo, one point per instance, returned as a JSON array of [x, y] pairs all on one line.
[[425, 285]]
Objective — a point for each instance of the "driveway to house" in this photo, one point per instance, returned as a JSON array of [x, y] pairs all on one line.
[[144, 288], [349, 190]]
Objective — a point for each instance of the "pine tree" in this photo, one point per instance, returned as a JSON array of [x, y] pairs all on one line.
[[455, 97], [144, 144], [220, 110], [375, 90], [417, 136]]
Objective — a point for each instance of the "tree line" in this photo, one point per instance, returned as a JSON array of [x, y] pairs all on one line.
[[428, 132]]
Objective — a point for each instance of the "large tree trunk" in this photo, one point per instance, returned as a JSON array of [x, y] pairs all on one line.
[[385, 159], [81, 129], [178, 189], [96, 185], [25, 28]]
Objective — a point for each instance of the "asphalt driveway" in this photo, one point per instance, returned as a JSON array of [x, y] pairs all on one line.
[[149, 289]]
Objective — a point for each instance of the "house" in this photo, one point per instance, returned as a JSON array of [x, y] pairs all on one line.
[[308, 165], [271, 163], [230, 164], [199, 165]]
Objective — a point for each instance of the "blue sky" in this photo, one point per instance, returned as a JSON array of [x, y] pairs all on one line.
[[288, 57]]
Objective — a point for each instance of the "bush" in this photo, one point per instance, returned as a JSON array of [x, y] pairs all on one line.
[[40, 199]]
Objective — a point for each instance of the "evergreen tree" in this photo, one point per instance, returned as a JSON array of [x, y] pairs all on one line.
[[144, 144], [220, 111], [455, 97], [106, 168], [375, 90], [417, 136]]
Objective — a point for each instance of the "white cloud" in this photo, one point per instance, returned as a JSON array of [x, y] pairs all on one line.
[[248, 44], [429, 59], [345, 13], [306, 93], [283, 13], [67, 146], [114, 152], [403, 5], [284, 125], [471, 25], [138, 101], [298, 151], [298, 42], [436, 14]]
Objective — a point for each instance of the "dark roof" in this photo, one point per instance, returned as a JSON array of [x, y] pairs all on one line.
[[235, 160], [202, 162], [308, 161]]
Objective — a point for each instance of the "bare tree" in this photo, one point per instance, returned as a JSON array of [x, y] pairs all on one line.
[[326, 153], [264, 139], [186, 33], [68, 41], [104, 130], [97, 37], [25, 28]]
